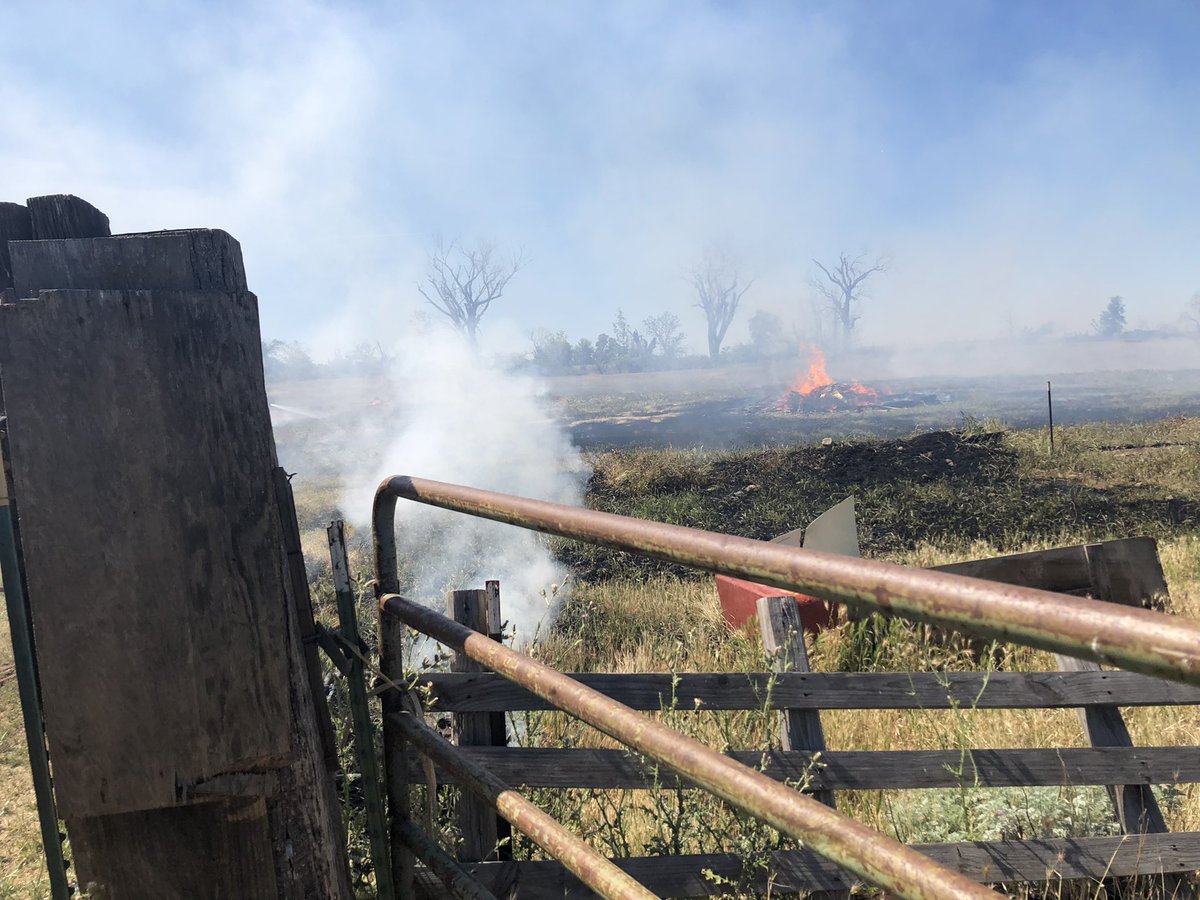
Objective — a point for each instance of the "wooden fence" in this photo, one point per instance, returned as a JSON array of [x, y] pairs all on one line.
[[799, 696], [477, 700]]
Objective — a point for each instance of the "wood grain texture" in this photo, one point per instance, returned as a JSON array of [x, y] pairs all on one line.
[[142, 455], [1124, 571], [15, 225], [1104, 726], [783, 640], [1127, 572], [856, 769], [397, 755], [223, 847], [65, 216], [828, 690], [476, 817], [198, 259], [789, 871], [1061, 569], [302, 606], [499, 725], [305, 818]]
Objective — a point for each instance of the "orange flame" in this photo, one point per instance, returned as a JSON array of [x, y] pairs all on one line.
[[861, 390], [815, 378]]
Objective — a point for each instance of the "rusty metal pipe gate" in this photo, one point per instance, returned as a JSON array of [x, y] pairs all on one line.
[[1135, 639], [872, 856], [564, 845]]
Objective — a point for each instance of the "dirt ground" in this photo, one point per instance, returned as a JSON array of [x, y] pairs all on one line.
[[734, 407], [740, 413]]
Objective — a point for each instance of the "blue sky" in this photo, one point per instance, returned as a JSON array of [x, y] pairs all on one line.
[[1019, 162]]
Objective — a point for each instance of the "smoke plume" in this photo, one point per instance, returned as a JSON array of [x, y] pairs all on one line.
[[457, 419]]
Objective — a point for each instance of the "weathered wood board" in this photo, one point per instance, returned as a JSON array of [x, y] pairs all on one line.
[[194, 259], [151, 539], [852, 770], [66, 216], [15, 225], [1125, 571], [225, 844], [788, 871], [476, 817], [471, 692], [783, 640]]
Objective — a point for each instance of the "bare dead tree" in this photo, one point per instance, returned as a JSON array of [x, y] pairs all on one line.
[[718, 293], [843, 289], [463, 282]]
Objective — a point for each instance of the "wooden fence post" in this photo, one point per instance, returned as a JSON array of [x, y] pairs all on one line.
[[783, 640], [477, 820], [168, 642], [499, 729], [395, 752], [782, 633], [1128, 572]]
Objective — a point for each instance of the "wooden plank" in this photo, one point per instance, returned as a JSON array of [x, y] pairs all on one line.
[[302, 603], [198, 259], [828, 690], [66, 216], [225, 843], [396, 753], [499, 726], [142, 459], [1125, 571], [1133, 802], [1061, 569], [856, 769], [15, 225], [790, 871], [307, 831], [783, 641], [476, 817], [1128, 572]]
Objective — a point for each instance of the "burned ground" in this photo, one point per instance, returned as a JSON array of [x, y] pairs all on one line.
[[945, 488]]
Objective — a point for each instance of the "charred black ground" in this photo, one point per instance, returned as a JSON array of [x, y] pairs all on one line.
[[941, 487]]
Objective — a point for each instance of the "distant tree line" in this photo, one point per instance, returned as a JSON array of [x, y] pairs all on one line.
[[658, 345], [463, 281]]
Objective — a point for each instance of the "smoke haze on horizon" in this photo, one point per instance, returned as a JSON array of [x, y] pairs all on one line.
[[1019, 162]]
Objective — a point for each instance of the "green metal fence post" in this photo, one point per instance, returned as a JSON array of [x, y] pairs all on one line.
[[364, 744]]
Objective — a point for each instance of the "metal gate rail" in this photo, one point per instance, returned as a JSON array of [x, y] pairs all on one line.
[[872, 856], [1136, 639]]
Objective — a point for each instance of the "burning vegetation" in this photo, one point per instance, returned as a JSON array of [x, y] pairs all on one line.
[[814, 391]]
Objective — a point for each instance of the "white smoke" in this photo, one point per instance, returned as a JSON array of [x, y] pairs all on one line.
[[457, 419]]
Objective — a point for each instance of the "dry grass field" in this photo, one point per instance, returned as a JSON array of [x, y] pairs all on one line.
[[923, 499]]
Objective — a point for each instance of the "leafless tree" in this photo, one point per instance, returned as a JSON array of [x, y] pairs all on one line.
[[842, 289], [718, 293], [665, 334], [462, 282]]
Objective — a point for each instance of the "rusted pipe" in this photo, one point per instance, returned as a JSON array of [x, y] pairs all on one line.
[[1135, 639], [455, 878], [872, 856], [580, 858]]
